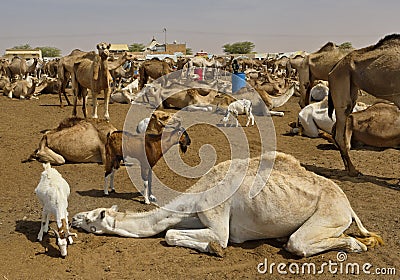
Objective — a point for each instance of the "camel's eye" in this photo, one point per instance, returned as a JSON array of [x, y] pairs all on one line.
[[93, 229]]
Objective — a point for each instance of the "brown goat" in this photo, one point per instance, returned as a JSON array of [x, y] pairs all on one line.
[[146, 148]]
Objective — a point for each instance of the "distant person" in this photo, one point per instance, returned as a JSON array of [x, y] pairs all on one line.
[[235, 66]]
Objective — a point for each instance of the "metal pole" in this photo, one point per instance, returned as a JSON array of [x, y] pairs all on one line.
[[165, 36]]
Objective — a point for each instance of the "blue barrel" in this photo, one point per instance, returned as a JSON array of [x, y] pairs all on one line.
[[238, 81]]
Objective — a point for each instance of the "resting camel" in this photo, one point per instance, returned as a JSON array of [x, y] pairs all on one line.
[[376, 126], [147, 149], [64, 69], [374, 69], [178, 97], [154, 69], [91, 73], [27, 89], [204, 220], [74, 140], [316, 66], [314, 117]]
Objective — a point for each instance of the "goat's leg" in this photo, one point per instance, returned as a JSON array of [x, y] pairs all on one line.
[[44, 228], [111, 177], [70, 234], [147, 180], [150, 182]]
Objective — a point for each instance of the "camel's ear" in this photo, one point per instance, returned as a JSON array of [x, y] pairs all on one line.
[[115, 208], [46, 165]]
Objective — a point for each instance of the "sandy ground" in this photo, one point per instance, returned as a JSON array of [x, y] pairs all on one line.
[[373, 196]]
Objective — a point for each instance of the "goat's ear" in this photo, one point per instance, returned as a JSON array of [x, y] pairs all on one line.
[[103, 214], [115, 208]]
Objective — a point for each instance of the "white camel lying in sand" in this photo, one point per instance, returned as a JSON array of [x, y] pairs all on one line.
[[314, 117], [312, 211]]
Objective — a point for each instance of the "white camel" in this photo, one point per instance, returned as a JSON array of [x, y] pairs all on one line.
[[312, 211]]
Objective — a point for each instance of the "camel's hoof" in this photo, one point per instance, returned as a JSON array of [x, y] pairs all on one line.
[[216, 249], [152, 198], [106, 194]]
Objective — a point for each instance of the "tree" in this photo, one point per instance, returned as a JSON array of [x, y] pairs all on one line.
[[22, 47], [46, 51], [50, 51], [239, 48], [189, 51], [346, 45], [136, 47]]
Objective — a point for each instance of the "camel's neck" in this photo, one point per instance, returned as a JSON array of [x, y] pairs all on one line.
[[150, 223], [112, 65], [153, 144]]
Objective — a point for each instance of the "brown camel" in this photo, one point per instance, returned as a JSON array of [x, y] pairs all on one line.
[[17, 67], [64, 69], [74, 140], [91, 72], [316, 66], [154, 69], [117, 72], [374, 69]]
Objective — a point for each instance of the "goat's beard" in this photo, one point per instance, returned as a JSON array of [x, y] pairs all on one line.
[[183, 148]]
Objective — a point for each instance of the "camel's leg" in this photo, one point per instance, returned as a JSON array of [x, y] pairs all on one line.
[[343, 108], [211, 239], [94, 104], [324, 231], [309, 127], [106, 102], [45, 154]]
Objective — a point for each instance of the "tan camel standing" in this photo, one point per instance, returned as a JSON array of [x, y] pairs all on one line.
[[91, 72], [17, 67], [64, 69], [311, 211], [374, 69], [316, 66]]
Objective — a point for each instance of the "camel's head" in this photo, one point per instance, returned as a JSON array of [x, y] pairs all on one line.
[[98, 221], [160, 119], [184, 140], [104, 49]]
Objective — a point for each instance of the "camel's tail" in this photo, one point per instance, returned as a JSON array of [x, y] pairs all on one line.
[[370, 239], [330, 106], [142, 77]]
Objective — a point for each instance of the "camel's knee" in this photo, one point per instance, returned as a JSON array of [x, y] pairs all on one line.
[[296, 246]]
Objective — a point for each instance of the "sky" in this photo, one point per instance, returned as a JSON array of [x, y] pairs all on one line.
[[273, 26]]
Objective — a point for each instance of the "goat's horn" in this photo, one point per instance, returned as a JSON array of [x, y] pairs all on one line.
[[55, 232]]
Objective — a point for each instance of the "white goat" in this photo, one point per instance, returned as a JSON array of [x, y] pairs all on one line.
[[314, 117], [142, 125], [132, 86], [239, 107], [53, 192]]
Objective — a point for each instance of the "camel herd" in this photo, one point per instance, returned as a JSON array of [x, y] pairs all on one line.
[[328, 83]]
